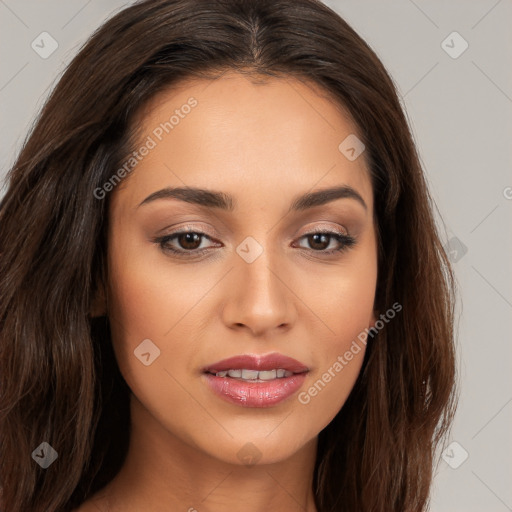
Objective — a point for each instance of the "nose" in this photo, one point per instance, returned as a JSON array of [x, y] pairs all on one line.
[[258, 298]]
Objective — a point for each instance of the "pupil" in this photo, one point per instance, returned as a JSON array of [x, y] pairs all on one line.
[[317, 240], [190, 238]]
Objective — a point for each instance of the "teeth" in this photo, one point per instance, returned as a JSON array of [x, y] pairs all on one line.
[[267, 375], [249, 374], [255, 374]]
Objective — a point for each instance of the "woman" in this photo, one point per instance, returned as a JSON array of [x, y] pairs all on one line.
[[221, 279]]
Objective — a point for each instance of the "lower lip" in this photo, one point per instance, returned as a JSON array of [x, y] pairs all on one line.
[[255, 394]]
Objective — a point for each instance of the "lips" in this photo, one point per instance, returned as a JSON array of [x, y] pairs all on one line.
[[255, 381], [267, 362]]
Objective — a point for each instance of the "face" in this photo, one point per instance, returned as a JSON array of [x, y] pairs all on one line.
[[197, 278]]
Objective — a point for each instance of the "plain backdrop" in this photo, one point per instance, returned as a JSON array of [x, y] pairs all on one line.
[[452, 64]]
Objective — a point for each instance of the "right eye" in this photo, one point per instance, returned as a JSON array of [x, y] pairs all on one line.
[[189, 242]]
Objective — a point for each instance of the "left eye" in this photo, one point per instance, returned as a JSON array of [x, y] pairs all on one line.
[[323, 237], [190, 242]]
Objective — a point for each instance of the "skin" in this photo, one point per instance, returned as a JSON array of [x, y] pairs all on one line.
[[264, 144]]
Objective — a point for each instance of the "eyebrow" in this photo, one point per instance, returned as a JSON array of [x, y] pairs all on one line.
[[214, 199]]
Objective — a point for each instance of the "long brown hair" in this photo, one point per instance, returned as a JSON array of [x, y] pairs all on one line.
[[59, 382]]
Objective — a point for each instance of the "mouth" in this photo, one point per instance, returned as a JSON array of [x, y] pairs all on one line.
[[254, 375], [255, 381]]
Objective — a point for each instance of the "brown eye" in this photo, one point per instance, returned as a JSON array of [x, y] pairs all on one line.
[[183, 243], [320, 241], [190, 241]]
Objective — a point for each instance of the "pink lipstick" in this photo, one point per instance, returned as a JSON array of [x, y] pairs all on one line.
[[255, 381]]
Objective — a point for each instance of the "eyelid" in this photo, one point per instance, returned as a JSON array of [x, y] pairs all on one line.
[[200, 229], [322, 227], [185, 228]]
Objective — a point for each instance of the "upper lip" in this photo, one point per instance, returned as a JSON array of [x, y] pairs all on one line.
[[257, 362]]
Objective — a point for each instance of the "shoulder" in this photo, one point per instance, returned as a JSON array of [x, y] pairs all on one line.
[[93, 504], [86, 506]]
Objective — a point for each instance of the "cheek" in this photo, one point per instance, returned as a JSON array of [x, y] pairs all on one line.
[[142, 307], [339, 359], [150, 299], [345, 305], [345, 299], [148, 295]]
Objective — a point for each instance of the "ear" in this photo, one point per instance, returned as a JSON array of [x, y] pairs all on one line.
[[98, 305]]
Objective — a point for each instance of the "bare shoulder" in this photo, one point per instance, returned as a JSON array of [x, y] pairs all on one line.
[[96, 503]]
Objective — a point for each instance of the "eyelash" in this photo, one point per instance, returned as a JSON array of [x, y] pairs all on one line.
[[346, 241]]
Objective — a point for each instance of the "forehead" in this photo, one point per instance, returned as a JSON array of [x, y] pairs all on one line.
[[235, 135]]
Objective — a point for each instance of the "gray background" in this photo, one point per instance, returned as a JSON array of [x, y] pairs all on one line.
[[460, 111]]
